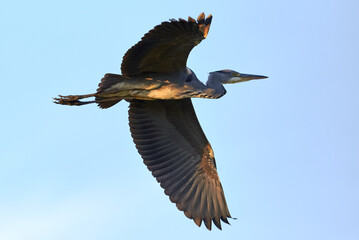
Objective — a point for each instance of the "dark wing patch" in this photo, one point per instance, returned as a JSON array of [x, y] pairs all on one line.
[[173, 146], [166, 47]]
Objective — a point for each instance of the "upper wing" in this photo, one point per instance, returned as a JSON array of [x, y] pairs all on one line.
[[172, 144], [166, 47]]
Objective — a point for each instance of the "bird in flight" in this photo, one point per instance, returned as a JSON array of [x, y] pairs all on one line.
[[159, 86]]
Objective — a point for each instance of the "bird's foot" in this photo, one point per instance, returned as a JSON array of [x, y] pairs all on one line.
[[72, 99]]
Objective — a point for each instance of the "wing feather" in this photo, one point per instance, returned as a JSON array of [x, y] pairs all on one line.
[[166, 47], [176, 151]]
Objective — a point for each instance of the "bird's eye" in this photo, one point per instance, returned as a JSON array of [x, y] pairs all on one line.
[[235, 74]]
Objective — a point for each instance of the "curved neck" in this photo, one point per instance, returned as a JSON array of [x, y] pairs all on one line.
[[215, 87]]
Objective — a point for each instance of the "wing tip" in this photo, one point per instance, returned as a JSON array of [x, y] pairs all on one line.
[[191, 20], [201, 18], [217, 222], [204, 23], [208, 221], [198, 221], [208, 20]]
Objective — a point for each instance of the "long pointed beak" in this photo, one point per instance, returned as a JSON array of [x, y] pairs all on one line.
[[242, 77], [247, 77]]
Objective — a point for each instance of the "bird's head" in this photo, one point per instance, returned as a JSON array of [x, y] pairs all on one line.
[[230, 76]]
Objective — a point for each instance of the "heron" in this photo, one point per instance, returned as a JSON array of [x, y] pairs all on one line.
[[163, 124]]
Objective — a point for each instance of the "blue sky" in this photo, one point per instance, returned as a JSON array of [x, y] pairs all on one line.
[[286, 147]]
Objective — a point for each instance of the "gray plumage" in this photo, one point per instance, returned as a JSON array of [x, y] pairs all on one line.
[[163, 124]]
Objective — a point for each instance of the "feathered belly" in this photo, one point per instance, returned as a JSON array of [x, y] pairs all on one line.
[[171, 91]]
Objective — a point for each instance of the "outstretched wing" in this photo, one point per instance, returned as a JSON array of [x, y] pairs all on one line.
[[166, 48], [172, 144]]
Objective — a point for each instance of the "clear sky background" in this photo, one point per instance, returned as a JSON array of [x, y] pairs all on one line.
[[287, 147]]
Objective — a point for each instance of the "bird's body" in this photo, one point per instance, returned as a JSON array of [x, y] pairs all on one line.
[[159, 85], [178, 85], [151, 86]]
